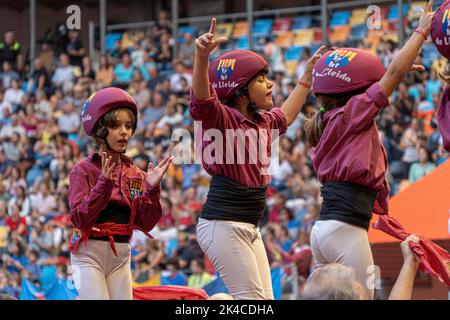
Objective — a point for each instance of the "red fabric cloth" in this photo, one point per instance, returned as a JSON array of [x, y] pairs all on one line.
[[109, 229], [433, 259], [169, 293]]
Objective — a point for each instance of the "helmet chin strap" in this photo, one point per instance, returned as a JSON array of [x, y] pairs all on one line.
[[108, 147]]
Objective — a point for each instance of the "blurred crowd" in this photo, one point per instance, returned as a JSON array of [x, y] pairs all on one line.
[[41, 139]]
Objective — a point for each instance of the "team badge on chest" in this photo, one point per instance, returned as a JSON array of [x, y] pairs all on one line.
[[136, 188]]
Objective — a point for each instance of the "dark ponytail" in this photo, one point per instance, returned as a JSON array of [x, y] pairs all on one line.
[[314, 126]]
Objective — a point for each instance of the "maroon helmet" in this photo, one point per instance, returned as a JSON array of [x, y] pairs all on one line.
[[342, 70], [103, 101], [232, 70], [440, 29]]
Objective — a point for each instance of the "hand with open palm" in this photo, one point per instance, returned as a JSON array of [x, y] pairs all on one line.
[[154, 176]]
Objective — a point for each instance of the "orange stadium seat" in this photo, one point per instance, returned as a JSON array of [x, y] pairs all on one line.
[[340, 34], [285, 39], [303, 37], [240, 29], [224, 29]]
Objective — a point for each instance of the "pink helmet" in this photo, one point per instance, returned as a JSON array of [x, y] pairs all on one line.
[[440, 29], [103, 101], [232, 70], [345, 69]]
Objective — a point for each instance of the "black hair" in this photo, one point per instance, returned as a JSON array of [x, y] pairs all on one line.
[[243, 92]]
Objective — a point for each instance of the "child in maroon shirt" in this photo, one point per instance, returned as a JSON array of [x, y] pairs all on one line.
[[440, 38], [352, 87], [109, 197], [234, 96]]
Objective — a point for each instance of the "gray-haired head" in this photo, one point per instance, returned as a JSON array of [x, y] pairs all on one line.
[[332, 282]]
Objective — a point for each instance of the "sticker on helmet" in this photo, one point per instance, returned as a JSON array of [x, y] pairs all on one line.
[[340, 58], [225, 68]]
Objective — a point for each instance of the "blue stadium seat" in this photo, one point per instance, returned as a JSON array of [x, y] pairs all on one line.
[[183, 30], [262, 27], [393, 12], [111, 39], [429, 54], [340, 18], [358, 32], [242, 43], [293, 53], [303, 22]]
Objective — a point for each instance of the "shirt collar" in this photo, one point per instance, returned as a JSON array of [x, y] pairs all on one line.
[[240, 117]]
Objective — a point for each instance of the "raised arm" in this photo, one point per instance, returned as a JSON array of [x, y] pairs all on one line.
[[204, 45], [291, 107], [404, 59], [404, 284]]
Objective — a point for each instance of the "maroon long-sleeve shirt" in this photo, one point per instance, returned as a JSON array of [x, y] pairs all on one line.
[[443, 118], [350, 150], [215, 115], [90, 192]]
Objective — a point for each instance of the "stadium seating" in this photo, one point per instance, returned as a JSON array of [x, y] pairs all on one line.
[[262, 28], [281, 25], [111, 39], [303, 22]]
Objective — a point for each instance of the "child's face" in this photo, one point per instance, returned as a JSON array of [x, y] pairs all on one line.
[[260, 92], [120, 133]]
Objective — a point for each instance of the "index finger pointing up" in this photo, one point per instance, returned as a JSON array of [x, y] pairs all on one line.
[[429, 7], [212, 28]]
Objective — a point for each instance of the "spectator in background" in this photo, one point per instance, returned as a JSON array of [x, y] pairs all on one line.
[[175, 79], [187, 49], [87, 73], [10, 51], [155, 111], [22, 201], [69, 122], [105, 73], [41, 240], [5, 164], [172, 276], [75, 48], [43, 201], [64, 74], [420, 169], [124, 71], [8, 75], [432, 86], [40, 79], [199, 277], [15, 222], [13, 96]]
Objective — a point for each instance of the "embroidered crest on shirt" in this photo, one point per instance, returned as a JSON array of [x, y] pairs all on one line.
[[136, 188]]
